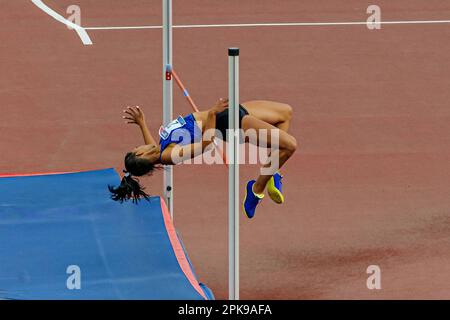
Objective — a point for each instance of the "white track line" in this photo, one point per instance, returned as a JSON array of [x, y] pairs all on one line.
[[298, 24], [79, 30]]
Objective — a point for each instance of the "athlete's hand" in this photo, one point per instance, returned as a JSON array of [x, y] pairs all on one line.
[[134, 115], [220, 106]]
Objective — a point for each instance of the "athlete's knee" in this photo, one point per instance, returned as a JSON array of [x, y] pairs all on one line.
[[287, 112], [291, 145]]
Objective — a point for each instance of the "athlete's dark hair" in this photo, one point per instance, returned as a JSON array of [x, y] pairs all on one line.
[[129, 187]]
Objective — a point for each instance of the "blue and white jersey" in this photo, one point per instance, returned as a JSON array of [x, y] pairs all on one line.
[[182, 131]]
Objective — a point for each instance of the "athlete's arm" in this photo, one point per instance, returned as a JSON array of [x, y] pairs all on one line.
[[179, 153], [135, 115]]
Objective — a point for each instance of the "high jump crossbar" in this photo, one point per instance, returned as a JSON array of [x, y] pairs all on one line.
[[170, 72], [233, 143], [233, 168]]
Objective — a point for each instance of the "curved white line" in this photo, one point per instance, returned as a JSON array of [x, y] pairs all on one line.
[[79, 30]]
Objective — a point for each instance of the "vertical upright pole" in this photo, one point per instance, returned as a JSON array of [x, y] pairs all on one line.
[[167, 95], [233, 174]]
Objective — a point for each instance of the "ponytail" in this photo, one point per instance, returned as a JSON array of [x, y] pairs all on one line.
[[129, 188]]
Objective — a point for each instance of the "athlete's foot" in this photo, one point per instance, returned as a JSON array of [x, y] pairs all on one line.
[[274, 188], [251, 200]]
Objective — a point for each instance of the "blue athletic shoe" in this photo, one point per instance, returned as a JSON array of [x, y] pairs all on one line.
[[274, 188], [251, 200]]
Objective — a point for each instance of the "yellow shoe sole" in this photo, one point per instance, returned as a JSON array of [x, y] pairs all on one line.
[[273, 192]]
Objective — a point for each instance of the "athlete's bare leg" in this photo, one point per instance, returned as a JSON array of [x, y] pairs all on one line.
[[275, 113], [287, 144]]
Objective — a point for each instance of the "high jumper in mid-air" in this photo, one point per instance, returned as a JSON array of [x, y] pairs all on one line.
[[175, 146]]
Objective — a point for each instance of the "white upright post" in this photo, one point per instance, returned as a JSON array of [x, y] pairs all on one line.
[[167, 95], [233, 174]]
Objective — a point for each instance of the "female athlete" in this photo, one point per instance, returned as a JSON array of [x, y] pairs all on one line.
[[184, 138]]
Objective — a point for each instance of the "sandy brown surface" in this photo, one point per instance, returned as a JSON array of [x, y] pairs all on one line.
[[370, 184]]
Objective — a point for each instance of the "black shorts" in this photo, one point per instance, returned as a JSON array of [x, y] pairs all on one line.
[[222, 121]]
